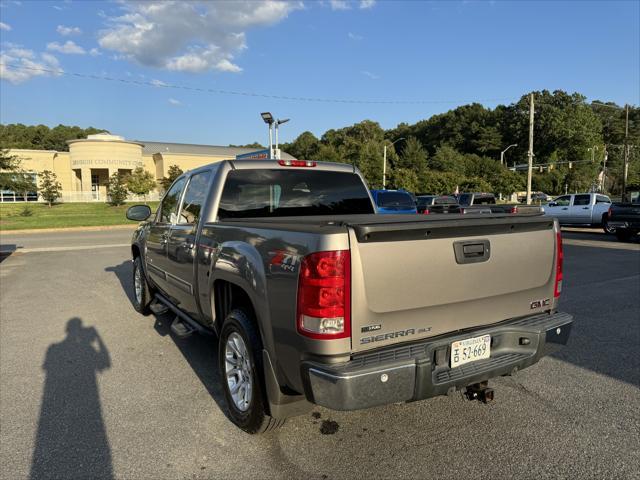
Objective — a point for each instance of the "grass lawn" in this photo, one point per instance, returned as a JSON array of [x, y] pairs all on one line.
[[12, 216]]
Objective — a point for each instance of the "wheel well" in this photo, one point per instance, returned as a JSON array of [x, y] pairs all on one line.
[[228, 296]]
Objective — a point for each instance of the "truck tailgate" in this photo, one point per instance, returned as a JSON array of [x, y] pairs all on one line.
[[412, 280]]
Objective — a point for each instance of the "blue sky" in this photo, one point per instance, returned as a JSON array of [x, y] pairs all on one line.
[[432, 55]]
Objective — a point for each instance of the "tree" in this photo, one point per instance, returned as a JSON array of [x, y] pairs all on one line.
[[41, 137], [173, 173], [404, 178], [117, 190], [141, 182], [413, 156], [50, 187], [447, 159], [475, 184], [438, 183], [306, 146]]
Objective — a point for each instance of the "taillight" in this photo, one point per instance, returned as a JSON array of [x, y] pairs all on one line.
[[609, 213], [559, 258], [426, 211], [514, 209], [324, 295], [297, 163]]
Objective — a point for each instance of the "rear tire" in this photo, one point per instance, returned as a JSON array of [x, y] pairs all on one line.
[[141, 293], [241, 374]]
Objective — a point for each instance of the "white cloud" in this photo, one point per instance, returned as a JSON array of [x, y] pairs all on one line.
[[193, 36], [18, 64], [67, 47], [354, 36], [339, 5], [364, 4], [66, 31], [158, 83], [94, 52], [5, 26], [57, 7], [372, 76], [175, 103]]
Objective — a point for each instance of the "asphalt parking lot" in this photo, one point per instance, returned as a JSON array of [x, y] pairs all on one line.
[[91, 389]]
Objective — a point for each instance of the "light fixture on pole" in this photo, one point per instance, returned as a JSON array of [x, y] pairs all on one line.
[[268, 119], [384, 164], [277, 124], [502, 153]]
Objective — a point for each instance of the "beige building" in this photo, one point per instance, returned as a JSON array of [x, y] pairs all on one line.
[[85, 169]]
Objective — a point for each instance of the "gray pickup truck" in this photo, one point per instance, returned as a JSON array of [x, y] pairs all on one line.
[[315, 299]]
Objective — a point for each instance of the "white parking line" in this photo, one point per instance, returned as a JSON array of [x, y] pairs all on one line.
[[63, 249]]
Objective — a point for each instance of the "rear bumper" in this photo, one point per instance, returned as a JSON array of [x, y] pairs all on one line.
[[421, 370]]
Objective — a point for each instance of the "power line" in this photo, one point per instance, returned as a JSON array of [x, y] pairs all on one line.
[[159, 84]]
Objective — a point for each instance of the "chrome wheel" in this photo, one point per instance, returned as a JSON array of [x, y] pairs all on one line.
[[238, 370], [137, 284]]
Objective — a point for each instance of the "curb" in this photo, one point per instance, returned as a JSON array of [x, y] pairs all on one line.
[[68, 229]]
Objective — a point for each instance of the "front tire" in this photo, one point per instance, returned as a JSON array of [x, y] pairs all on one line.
[[605, 226], [141, 292], [241, 374]]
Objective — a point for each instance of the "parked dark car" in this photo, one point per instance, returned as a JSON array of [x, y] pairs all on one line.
[[625, 217], [428, 204]]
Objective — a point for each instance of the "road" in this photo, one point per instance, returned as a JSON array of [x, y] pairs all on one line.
[[148, 405]]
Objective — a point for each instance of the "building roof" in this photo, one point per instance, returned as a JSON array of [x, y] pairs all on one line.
[[149, 148]]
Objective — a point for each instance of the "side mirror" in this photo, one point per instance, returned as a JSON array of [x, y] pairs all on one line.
[[139, 213], [553, 204]]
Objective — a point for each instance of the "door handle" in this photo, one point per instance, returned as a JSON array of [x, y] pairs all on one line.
[[565, 208], [585, 208]]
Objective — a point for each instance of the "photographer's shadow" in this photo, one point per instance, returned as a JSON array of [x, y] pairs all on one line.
[[71, 441]]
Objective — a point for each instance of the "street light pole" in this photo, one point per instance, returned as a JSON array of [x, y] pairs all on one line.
[[384, 164], [503, 151], [277, 124], [530, 153], [268, 119]]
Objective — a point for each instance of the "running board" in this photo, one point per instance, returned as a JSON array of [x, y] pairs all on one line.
[[182, 318], [181, 328], [157, 307]]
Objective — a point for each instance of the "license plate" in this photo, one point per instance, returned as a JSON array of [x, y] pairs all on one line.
[[470, 350]]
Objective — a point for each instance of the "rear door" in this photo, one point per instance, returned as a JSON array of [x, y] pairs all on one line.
[[428, 278], [181, 247], [580, 210], [600, 208], [158, 238]]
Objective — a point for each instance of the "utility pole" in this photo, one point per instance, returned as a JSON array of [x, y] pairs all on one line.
[[604, 170], [530, 154], [626, 155]]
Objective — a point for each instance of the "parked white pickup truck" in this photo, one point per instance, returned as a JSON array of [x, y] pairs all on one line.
[[585, 209]]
